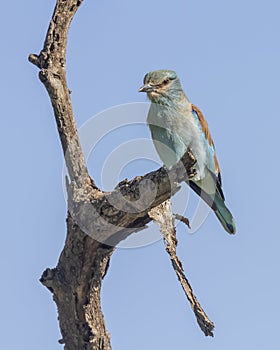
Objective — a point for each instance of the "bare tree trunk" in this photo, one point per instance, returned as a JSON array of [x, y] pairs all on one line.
[[75, 284], [94, 225]]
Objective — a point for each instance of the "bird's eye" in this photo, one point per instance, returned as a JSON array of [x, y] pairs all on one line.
[[166, 81]]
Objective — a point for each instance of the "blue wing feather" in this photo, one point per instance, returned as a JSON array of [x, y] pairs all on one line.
[[210, 149]]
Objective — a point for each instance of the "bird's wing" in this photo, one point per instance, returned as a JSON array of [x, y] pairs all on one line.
[[212, 164]]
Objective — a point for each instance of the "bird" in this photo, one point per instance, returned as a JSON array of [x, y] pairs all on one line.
[[176, 126]]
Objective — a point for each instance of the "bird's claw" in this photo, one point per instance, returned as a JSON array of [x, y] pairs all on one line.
[[191, 173]]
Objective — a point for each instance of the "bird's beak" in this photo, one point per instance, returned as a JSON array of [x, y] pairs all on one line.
[[146, 88]]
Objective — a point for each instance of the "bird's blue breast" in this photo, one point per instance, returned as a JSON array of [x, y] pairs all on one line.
[[168, 144]]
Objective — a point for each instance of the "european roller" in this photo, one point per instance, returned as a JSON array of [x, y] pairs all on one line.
[[176, 125]]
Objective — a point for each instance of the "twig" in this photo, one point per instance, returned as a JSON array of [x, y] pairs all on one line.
[[184, 220], [162, 216]]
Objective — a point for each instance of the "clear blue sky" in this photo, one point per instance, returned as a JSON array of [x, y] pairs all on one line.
[[227, 55]]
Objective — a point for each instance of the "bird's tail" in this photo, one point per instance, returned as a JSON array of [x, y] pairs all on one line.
[[224, 215], [210, 191]]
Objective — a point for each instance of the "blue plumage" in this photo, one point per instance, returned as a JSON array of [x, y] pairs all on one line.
[[176, 125], [210, 149]]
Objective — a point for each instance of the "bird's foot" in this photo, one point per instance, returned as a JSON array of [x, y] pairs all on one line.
[[191, 173]]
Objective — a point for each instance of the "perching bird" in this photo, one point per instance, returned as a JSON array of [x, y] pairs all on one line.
[[176, 125]]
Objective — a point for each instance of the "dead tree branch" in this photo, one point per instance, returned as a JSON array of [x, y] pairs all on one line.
[[162, 215], [94, 223]]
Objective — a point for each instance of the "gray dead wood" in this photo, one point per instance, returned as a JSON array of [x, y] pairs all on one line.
[[162, 215], [94, 224]]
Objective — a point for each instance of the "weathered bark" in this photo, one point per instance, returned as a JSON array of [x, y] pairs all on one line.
[[94, 224], [162, 215], [52, 64], [75, 284]]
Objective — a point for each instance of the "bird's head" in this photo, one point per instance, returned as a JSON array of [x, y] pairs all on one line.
[[162, 86]]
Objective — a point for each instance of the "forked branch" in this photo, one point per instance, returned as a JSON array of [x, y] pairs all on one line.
[[94, 223]]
